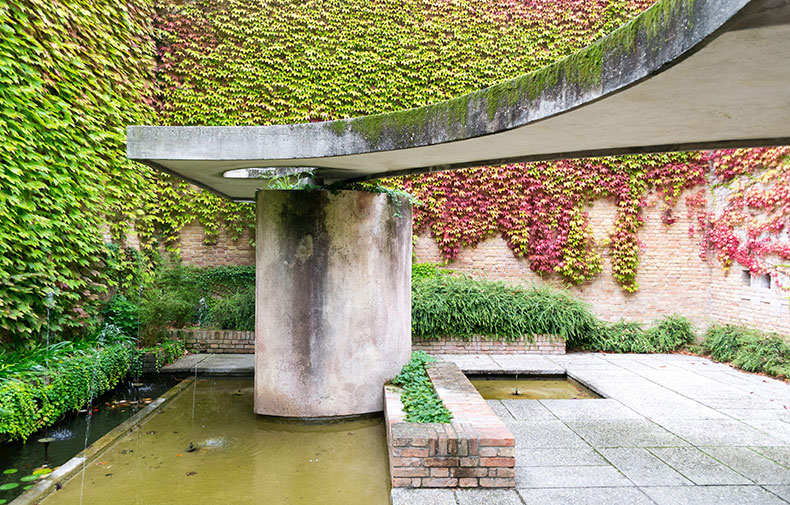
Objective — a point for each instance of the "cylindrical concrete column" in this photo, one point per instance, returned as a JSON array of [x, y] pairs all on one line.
[[333, 304]]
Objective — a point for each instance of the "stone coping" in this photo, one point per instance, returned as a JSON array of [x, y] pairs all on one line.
[[475, 450], [72, 467]]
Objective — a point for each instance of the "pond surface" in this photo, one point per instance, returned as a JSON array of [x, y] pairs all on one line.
[[550, 387], [241, 458], [114, 407]]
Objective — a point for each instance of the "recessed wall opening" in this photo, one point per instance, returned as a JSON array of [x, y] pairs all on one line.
[[746, 278], [762, 281]]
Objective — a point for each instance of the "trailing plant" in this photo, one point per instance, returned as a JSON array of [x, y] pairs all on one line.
[[165, 353], [462, 307], [29, 403], [749, 349], [420, 402]]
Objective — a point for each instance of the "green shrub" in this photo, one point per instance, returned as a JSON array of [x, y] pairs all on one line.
[[668, 334], [235, 312], [749, 349], [461, 307], [420, 402], [123, 314]]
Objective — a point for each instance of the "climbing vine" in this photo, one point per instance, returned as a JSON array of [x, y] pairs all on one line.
[[744, 219], [539, 209]]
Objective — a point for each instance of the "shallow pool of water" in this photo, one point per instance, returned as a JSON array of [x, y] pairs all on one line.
[[530, 388], [241, 458], [111, 409]]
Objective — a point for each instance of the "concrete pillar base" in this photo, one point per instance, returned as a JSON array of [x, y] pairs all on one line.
[[333, 301]]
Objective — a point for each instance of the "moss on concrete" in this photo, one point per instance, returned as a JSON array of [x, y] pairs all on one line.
[[582, 70]]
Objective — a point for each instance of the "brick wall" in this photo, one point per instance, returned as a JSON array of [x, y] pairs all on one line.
[[217, 341], [475, 450], [672, 276], [225, 252], [541, 344], [243, 342]]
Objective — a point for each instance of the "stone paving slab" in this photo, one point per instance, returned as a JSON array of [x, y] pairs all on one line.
[[643, 468], [584, 496], [232, 365], [672, 429], [713, 495]]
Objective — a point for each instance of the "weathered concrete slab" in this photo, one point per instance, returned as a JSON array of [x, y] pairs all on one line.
[[585, 496], [570, 476], [498, 496], [643, 468], [750, 464], [712, 495], [698, 467], [402, 496], [559, 456], [185, 365], [589, 410], [625, 433]]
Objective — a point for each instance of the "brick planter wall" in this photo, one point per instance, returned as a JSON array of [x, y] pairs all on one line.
[[217, 341], [243, 342], [542, 344], [475, 450]]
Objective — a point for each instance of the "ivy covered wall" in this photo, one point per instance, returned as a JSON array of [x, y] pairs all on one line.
[[74, 74], [261, 62]]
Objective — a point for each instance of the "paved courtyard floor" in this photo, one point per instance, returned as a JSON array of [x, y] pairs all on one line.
[[671, 430]]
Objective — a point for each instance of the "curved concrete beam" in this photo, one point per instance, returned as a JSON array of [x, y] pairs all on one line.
[[685, 74]]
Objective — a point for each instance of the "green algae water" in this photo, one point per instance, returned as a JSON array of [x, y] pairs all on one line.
[[530, 388], [241, 458]]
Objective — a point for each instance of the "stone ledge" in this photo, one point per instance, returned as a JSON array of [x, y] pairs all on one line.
[[242, 342], [475, 450], [537, 344]]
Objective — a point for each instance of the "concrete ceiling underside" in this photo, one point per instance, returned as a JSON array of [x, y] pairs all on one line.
[[682, 76]]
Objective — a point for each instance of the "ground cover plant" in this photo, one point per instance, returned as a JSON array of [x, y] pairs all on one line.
[[420, 402]]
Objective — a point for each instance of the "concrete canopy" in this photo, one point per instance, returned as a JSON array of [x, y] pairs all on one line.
[[685, 74]]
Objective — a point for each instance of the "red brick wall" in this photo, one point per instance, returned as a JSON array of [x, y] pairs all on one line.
[[475, 450]]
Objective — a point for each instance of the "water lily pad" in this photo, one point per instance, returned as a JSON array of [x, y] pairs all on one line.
[[27, 487], [42, 471], [10, 471], [28, 478], [8, 485], [3, 502]]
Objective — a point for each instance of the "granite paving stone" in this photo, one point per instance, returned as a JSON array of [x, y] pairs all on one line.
[[584, 496], [528, 410], [712, 495], [698, 467], [750, 464], [720, 433], [405, 496], [643, 468], [487, 496], [570, 476], [588, 410], [559, 456], [625, 433]]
